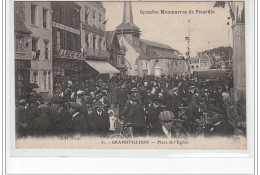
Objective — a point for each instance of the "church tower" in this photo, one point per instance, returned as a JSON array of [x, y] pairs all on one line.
[[127, 28]]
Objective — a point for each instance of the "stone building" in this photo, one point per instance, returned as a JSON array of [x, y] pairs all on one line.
[[36, 17], [144, 57], [93, 40], [205, 62]]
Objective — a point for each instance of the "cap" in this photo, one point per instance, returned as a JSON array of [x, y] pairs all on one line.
[[80, 92], [166, 116], [134, 89], [98, 104], [22, 101], [175, 88], [43, 106], [70, 83], [145, 83], [206, 90]]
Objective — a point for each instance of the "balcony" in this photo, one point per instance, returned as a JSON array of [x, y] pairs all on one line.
[[93, 29], [95, 53]]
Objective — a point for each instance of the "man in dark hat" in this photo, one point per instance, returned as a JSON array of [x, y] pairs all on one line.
[[153, 113], [121, 98], [41, 125], [194, 109], [172, 100], [79, 121], [32, 113], [59, 116], [21, 119], [135, 112], [218, 99], [99, 120]]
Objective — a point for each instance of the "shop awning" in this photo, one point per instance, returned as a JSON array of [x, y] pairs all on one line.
[[102, 67]]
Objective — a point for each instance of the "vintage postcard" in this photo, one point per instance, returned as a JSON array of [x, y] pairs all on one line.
[[130, 75]]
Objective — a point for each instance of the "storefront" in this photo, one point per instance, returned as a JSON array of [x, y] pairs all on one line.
[[22, 76], [64, 70]]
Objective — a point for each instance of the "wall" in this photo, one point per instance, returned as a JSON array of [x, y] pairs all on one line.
[[99, 10], [42, 34]]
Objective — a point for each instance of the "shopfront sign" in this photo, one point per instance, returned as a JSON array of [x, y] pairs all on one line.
[[23, 64], [69, 54], [67, 28]]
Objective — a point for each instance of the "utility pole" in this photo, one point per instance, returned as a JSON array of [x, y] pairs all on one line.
[[187, 38]]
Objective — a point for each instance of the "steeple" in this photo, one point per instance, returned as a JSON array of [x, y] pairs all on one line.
[[127, 25], [128, 15]]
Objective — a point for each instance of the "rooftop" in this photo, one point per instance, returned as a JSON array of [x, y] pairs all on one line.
[[156, 44]]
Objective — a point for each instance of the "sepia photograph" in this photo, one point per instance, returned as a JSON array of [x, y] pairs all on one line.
[[130, 75]]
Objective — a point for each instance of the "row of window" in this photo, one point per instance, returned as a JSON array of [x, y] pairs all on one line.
[[96, 22], [35, 16], [21, 45], [65, 40], [66, 14], [93, 41], [36, 52]]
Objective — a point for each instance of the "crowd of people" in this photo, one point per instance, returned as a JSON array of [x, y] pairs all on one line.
[[150, 104]]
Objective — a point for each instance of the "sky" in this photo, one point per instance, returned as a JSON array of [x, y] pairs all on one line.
[[207, 31]]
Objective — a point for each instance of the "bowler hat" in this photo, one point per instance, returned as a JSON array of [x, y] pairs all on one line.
[[75, 106]]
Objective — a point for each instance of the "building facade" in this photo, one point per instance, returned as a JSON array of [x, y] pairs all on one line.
[[144, 57], [36, 17], [23, 54], [93, 40], [205, 62], [66, 37]]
